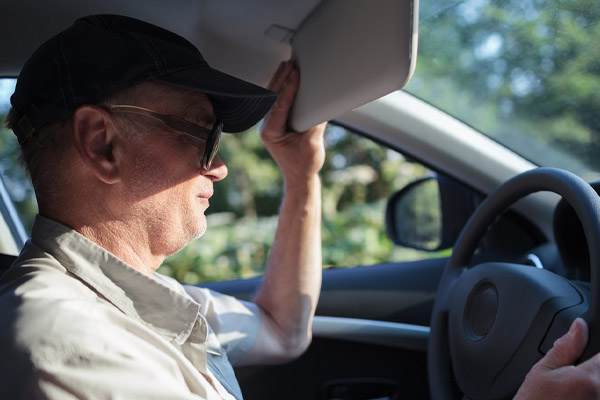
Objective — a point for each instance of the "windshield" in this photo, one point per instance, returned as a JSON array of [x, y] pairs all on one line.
[[524, 72]]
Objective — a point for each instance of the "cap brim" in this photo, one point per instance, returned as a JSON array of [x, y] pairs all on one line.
[[239, 104]]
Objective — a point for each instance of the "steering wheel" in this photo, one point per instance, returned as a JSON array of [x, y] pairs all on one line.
[[492, 322]]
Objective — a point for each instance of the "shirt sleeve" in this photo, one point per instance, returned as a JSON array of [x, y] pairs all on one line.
[[236, 323]]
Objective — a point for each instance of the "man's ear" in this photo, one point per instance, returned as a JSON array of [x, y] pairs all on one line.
[[94, 135]]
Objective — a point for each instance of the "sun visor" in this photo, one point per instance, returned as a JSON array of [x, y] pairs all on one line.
[[351, 52]]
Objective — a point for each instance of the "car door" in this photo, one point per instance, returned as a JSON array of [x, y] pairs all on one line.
[[370, 336]]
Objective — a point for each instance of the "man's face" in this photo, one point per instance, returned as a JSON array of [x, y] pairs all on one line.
[[169, 190]]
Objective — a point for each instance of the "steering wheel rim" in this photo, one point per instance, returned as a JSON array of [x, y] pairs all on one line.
[[586, 204]]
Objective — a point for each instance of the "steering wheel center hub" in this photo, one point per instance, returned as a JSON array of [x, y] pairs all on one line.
[[481, 309], [500, 314]]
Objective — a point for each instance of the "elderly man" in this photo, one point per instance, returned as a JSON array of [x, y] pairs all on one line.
[[119, 123]]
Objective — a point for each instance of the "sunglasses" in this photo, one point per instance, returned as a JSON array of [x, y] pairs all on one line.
[[210, 136]]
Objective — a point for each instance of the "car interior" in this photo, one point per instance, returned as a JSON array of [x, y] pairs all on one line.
[[504, 244]]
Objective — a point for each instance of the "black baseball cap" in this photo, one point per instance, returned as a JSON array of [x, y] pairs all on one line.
[[101, 55]]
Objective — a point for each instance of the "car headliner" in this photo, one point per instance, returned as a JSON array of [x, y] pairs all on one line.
[[251, 31]]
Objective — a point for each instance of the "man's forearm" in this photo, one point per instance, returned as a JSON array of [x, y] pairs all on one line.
[[290, 290], [292, 281]]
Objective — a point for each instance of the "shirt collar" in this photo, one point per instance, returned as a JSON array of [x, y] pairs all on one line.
[[166, 311]]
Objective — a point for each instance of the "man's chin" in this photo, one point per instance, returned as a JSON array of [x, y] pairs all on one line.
[[200, 233], [199, 229]]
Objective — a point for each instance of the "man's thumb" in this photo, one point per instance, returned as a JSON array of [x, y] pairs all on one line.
[[568, 348]]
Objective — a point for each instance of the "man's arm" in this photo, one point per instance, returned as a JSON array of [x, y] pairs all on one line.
[[555, 376], [290, 290]]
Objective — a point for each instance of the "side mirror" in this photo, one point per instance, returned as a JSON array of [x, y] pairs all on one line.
[[429, 214], [414, 216]]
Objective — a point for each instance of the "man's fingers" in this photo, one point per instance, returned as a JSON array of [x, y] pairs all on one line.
[[278, 115], [288, 91], [280, 76], [555, 377], [568, 348], [275, 76]]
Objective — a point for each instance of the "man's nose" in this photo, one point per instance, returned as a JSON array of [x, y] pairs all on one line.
[[217, 170]]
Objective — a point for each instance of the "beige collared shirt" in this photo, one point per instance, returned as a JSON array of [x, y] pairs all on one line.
[[76, 322]]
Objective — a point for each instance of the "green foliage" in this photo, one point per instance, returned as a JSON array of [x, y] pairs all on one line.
[[253, 185], [230, 249]]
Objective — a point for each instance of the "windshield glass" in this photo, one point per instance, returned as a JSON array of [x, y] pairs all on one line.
[[524, 72]]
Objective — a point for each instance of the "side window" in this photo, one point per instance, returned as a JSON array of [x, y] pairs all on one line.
[[358, 178], [15, 179]]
